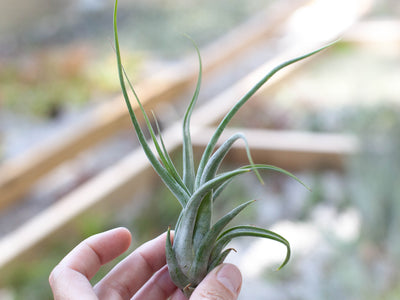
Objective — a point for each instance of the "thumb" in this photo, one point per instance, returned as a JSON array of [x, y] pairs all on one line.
[[222, 283]]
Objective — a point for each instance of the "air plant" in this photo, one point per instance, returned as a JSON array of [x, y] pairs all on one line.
[[199, 245]]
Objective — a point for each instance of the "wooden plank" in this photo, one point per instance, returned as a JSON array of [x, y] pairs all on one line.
[[291, 150], [17, 176], [104, 191]]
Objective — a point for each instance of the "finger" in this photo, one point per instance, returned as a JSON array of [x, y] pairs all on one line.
[[73, 273], [160, 286], [222, 283], [135, 270], [178, 295]]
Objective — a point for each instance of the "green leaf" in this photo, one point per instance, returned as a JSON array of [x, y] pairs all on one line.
[[195, 201], [215, 161], [188, 161], [203, 220], [273, 168], [201, 260], [214, 139], [170, 182], [161, 149], [166, 159], [183, 244], [219, 259], [178, 222], [246, 230], [220, 189], [177, 276]]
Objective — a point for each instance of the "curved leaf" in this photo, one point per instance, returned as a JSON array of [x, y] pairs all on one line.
[[165, 158], [188, 161], [277, 169], [177, 276], [201, 260], [203, 220], [183, 244], [211, 145], [238, 231], [219, 259], [216, 159], [220, 189], [175, 188], [161, 149]]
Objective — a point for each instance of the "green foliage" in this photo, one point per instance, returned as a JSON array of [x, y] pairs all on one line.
[[198, 244], [41, 96], [46, 82]]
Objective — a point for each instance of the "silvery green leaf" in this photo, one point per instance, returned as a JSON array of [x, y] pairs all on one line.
[[239, 231], [187, 149]]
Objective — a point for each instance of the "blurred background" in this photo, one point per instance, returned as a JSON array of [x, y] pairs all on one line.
[[70, 165]]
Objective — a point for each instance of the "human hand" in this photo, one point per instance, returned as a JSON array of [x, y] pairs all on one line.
[[141, 275]]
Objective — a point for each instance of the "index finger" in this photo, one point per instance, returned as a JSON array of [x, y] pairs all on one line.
[[135, 270], [73, 273]]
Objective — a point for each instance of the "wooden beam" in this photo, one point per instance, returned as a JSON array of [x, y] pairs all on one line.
[[103, 192], [18, 175], [291, 150]]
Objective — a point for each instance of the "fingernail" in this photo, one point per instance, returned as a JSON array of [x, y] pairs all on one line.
[[230, 277]]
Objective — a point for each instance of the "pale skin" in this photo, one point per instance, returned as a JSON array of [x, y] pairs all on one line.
[[141, 275]]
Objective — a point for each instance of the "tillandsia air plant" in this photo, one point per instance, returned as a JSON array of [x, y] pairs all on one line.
[[199, 245]]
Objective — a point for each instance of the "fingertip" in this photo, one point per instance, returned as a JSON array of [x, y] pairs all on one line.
[[121, 237], [125, 235], [230, 277], [106, 245], [120, 229], [224, 282]]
